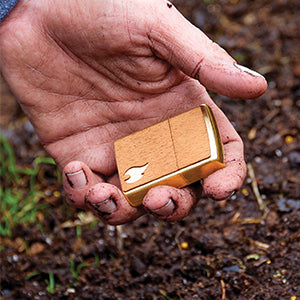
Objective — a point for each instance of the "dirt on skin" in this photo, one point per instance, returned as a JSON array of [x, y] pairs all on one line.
[[247, 247]]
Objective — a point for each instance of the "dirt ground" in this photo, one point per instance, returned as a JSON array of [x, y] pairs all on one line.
[[247, 247]]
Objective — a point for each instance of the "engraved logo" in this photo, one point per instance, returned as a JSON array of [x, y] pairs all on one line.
[[135, 173]]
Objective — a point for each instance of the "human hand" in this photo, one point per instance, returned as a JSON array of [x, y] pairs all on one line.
[[89, 72]]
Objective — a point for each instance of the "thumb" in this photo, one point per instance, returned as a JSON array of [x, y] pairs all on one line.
[[186, 47]]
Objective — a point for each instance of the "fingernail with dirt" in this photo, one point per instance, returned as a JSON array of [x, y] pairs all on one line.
[[105, 207], [77, 180], [231, 194], [246, 70], [212, 197], [165, 210]]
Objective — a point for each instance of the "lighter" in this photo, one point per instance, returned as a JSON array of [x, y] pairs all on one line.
[[175, 152]]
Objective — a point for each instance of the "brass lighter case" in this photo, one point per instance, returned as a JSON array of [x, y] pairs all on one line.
[[176, 152]]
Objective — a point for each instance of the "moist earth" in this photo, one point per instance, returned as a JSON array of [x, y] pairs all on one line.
[[246, 247]]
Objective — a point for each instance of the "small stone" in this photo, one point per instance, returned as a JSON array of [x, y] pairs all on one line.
[[184, 245], [36, 248], [272, 218], [245, 192], [137, 267], [287, 205], [294, 158], [288, 139]]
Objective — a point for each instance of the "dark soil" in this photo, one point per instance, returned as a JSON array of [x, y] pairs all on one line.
[[223, 250]]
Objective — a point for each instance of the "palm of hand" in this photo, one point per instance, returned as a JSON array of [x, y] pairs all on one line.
[[96, 81]]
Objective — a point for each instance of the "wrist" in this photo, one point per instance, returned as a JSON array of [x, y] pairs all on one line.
[[5, 8]]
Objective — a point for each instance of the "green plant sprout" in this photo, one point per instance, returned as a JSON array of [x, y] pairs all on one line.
[[17, 203], [164, 294], [32, 274], [51, 283], [76, 271], [78, 231], [97, 260]]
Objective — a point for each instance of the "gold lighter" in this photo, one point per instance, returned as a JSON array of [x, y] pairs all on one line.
[[176, 152]]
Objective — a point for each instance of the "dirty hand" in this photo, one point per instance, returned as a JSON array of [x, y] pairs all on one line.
[[89, 72]]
